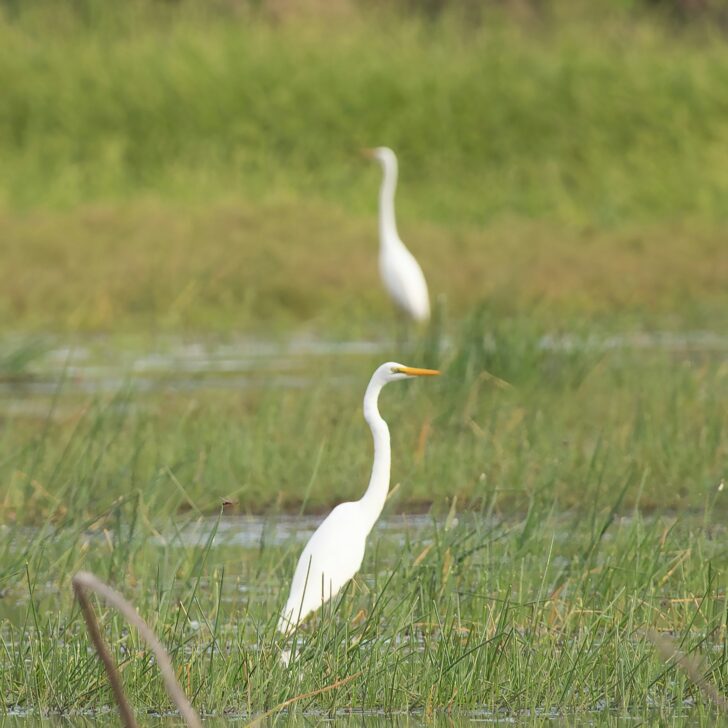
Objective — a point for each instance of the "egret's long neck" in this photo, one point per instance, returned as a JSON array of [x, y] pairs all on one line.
[[387, 222], [376, 494]]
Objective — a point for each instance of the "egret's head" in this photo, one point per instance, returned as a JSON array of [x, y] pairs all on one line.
[[392, 372], [383, 155]]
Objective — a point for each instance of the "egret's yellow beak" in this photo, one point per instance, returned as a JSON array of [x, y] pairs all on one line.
[[415, 372], [368, 153]]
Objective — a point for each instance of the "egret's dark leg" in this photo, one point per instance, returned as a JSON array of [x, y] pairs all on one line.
[[403, 334]]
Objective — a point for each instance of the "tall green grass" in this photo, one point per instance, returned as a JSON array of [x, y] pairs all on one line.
[[600, 121], [541, 612]]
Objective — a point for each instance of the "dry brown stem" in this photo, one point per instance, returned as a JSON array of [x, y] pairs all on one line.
[[83, 581], [691, 666]]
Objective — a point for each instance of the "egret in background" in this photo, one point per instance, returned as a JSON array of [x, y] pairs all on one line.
[[401, 273], [335, 551]]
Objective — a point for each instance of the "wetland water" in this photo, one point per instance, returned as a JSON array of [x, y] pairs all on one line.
[[98, 365], [676, 718]]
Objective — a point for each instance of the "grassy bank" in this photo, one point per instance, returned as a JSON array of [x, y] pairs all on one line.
[[271, 267]]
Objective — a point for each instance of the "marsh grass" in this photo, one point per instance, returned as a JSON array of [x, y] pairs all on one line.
[[530, 588], [17, 357], [518, 414], [483, 615]]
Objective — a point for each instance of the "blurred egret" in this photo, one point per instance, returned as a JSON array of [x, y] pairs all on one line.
[[335, 551], [401, 273]]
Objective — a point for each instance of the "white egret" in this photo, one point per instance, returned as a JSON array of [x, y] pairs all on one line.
[[401, 273], [335, 551]]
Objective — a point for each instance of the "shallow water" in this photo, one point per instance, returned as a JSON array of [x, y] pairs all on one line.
[[676, 717], [249, 531], [99, 365], [105, 365]]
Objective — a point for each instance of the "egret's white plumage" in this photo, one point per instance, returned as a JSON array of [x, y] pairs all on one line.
[[401, 273], [335, 551]]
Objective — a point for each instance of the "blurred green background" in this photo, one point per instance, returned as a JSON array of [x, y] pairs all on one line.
[[194, 165]]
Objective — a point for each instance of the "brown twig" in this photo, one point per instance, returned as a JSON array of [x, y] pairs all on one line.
[[82, 581], [691, 666], [303, 696], [127, 715]]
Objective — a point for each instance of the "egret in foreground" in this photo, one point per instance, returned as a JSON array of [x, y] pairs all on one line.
[[401, 273], [335, 551]]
